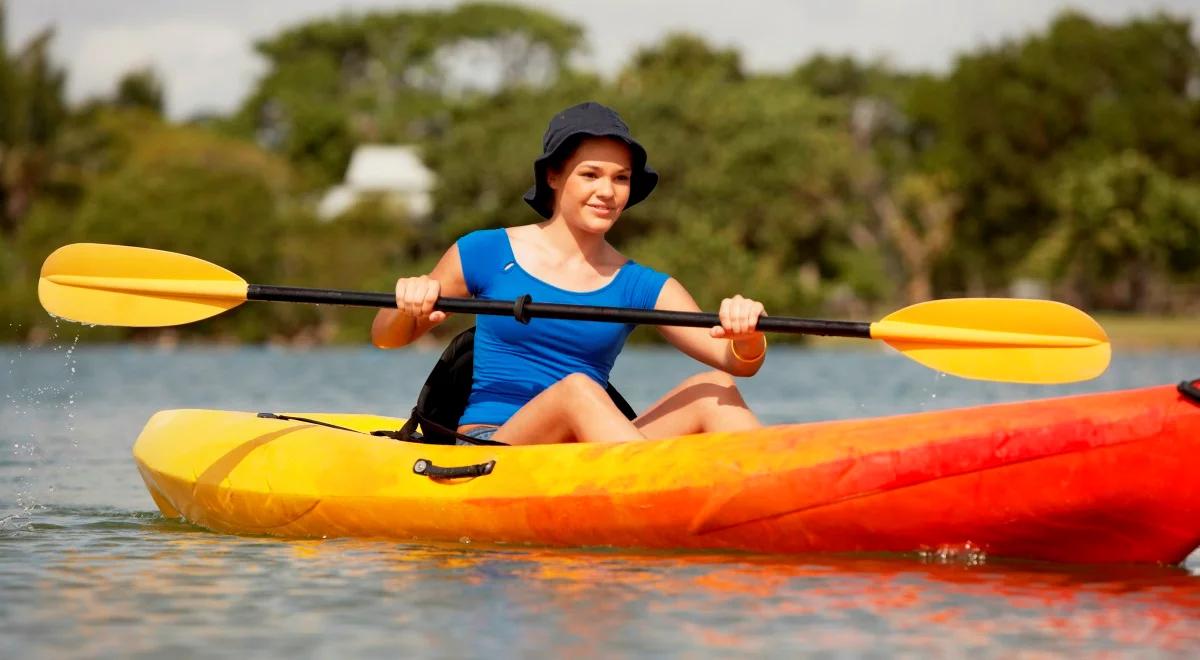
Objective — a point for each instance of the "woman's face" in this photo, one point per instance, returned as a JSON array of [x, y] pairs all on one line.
[[592, 187]]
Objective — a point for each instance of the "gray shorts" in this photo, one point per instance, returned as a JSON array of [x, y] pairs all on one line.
[[480, 433]]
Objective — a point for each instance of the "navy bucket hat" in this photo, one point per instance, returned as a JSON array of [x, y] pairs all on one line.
[[564, 133]]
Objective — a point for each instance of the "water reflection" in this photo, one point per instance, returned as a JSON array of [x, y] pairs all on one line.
[[173, 585]]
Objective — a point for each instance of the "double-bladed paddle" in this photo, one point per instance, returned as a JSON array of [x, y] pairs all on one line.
[[1003, 339]]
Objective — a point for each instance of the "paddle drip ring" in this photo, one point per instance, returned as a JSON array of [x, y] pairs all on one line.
[[1190, 389], [519, 312]]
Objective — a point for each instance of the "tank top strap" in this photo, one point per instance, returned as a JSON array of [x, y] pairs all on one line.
[[484, 254], [641, 285]]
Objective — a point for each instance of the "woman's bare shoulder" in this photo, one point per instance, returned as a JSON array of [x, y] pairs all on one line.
[[616, 257]]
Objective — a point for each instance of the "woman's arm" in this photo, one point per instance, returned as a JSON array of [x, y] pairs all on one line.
[[414, 314], [716, 346]]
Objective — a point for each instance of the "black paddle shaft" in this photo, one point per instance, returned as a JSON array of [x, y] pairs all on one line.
[[524, 309]]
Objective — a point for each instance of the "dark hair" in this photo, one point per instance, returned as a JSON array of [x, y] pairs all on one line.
[[556, 160]]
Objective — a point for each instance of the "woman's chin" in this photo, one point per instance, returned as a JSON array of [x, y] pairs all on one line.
[[599, 227], [593, 224]]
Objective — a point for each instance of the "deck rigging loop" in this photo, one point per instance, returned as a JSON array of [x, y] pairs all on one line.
[[1190, 389]]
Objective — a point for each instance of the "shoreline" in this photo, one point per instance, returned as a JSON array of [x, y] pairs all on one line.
[[1126, 332], [1133, 334], [1129, 332], [1139, 332]]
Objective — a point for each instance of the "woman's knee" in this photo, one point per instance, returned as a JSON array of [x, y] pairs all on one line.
[[579, 384], [713, 377], [714, 389]]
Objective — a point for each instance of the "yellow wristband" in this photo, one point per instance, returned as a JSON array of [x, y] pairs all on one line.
[[733, 349]]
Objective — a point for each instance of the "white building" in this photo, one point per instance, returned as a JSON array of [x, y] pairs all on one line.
[[396, 172]]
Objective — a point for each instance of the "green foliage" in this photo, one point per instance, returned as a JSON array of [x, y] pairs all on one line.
[[32, 110], [182, 190], [393, 76], [365, 248], [1009, 119], [1124, 228], [846, 77], [680, 57], [140, 88], [758, 161], [164, 197], [841, 186]]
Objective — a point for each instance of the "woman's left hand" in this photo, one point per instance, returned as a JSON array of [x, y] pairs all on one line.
[[739, 317]]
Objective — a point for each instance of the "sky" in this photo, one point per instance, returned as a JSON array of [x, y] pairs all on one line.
[[203, 49]]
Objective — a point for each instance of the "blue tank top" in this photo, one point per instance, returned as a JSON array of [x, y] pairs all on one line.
[[514, 362]]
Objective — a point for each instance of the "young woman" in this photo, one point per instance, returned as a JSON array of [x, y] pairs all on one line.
[[545, 382]]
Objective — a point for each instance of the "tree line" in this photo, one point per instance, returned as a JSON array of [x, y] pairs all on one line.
[[1066, 163]]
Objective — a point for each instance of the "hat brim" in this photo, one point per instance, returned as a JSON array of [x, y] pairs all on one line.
[[642, 182]]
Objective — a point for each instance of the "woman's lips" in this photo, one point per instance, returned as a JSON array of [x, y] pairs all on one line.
[[600, 209]]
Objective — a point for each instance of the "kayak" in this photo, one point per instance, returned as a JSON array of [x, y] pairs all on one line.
[[1106, 477]]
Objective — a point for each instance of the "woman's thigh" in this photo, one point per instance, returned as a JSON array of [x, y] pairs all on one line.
[[574, 409], [537, 422], [705, 402]]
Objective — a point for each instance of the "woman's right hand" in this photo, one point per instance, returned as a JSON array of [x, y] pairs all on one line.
[[415, 297]]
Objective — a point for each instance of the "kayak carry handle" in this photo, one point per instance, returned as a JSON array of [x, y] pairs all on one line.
[[425, 467]]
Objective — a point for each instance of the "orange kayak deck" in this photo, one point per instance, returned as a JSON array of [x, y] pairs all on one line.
[[1107, 477]]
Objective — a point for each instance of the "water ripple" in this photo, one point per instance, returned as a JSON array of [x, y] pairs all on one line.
[[88, 568]]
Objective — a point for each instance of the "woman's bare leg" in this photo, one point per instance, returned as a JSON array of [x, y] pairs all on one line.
[[575, 409], [704, 403]]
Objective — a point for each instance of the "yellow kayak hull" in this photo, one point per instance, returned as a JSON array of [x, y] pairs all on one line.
[[1103, 477]]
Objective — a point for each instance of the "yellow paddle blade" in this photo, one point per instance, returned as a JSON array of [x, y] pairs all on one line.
[[130, 286], [1004, 339]]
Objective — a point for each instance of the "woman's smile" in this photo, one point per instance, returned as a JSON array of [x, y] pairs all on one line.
[[603, 210]]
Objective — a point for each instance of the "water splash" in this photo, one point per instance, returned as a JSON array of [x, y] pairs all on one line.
[[965, 554], [931, 392], [28, 452]]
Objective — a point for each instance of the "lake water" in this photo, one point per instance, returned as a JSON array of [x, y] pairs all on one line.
[[88, 567]]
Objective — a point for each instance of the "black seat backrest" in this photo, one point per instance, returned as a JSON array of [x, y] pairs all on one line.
[[444, 396]]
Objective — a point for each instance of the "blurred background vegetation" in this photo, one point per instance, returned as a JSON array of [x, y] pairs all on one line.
[[1064, 164]]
